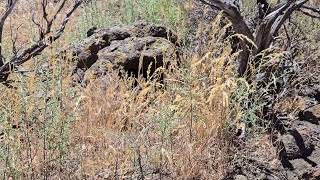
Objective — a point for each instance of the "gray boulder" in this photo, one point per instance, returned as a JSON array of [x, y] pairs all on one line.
[[142, 45]]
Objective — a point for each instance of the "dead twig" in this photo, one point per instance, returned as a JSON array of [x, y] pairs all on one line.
[[46, 37]]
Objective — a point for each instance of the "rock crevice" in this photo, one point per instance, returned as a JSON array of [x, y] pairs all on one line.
[[138, 49]]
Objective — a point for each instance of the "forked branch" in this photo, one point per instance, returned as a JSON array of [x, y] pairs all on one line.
[[9, 7], [46, 37], [311, 11], [272, 20]]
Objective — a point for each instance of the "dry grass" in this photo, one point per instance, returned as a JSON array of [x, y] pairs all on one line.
[[172, 132], [115, 130]]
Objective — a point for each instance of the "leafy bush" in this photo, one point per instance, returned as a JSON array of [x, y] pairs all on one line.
[[103, 13]]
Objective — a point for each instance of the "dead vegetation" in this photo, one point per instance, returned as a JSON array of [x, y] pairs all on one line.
[[202, 121]]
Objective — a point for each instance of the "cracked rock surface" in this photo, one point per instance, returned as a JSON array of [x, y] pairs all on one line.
[[138, 49]]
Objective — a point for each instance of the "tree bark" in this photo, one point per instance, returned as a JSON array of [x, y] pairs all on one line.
[[272, 21]]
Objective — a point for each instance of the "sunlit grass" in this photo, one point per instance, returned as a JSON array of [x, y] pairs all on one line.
[[121, 127]]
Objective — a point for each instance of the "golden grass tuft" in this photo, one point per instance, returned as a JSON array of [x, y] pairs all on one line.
[[114, 128], [120, 127], [178, 131]]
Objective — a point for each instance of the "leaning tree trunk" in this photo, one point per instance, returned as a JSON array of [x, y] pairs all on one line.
[[261, 38]]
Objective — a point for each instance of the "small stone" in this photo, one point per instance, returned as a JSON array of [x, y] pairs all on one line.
[[292, 149], [311, 114], [240, 177], [312, 174]]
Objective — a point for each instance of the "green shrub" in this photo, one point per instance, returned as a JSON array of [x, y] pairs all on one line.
[[103, 14]]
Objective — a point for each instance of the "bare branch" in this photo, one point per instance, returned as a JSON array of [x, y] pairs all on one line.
[[310, 11], [49, 24], [309, 14], [272, 21], [44, 5], [36, 48], [59, 32], [233, 15], [315, 10], [9, 7], [14, 37], [240, 27], [40, 28]]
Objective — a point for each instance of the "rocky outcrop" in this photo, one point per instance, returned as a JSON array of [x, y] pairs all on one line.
[[301, 146], [140, 48], [292, 154], [135, 55]]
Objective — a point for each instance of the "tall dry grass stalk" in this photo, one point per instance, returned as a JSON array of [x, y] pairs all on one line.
[[114, 128], [120, 127], [35, 119], [145, 131]]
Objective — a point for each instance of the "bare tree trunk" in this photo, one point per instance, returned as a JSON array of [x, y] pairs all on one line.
[[244, 58], [272, 20]]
